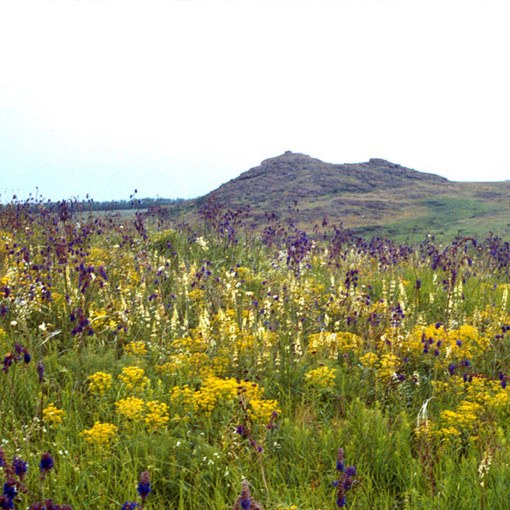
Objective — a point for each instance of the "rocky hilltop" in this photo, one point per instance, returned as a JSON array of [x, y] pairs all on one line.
[[375, 197]]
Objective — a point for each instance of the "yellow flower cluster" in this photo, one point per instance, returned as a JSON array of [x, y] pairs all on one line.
[[196, 295], [136, 348], [465, 420], [369, 360], [332, 344], [182, 395], [131, 407], [53, 415], [102, 319], [261, 411], [157, 415], [488, 393], [388, 366], [465, 417], [462, 343], [153, 413], [99, 383], [134, 378], [101, 434], [215, 391], [479, 399], [184, 364], [321, 377]]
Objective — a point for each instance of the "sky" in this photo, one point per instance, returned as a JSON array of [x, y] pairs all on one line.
[[175, 97]]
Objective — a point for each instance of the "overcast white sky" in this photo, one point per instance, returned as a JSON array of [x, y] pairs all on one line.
[[175, 97]]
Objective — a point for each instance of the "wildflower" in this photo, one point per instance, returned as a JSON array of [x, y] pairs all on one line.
[[130, 407], [245, 501], [346, 479], [144, 486], [19, 467], [40, 372], [321, 377], [136, 348], [157, 415], [484, 467], [340, 460], [99, 383], [53, 415], [101, 434], [134, 378], [6, 502], [130, 505], [8, 494], [46, 464], [369, 359]]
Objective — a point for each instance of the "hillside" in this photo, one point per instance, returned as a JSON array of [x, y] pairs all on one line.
[[376, 197]]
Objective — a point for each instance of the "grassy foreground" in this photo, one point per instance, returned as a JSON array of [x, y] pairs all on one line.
[[152, 366]]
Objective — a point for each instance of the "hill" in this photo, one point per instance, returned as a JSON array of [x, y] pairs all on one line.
[[376, 197]]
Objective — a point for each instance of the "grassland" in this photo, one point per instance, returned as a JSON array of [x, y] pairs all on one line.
[[158, 366]]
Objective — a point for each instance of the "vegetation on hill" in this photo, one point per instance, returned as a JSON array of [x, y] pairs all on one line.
[[373, 198]]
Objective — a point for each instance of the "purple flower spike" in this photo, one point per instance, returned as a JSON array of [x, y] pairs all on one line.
[[144, 486], [46, 464]]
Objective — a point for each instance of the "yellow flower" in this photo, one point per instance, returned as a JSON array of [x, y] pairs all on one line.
[[389, 365], [369, 360], [101, 434], [261, 411], [157, 415], [213, 391], [321, 377], [331, 344], [136, 348], [130, 407], [99, 382], [134, 378], [182, 395], [52, 415]]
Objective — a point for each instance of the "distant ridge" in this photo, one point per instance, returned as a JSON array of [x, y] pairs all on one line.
[[374, 197]]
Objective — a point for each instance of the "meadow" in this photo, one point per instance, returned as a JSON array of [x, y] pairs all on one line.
[[160, 366]]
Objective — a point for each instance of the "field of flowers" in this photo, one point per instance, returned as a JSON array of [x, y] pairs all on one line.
[[161, 366]]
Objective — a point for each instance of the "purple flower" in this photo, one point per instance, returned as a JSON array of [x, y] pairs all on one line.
[[144, 486], [340, 460], [19, 467], [346, 479], [130, 505], [46, 464], [9, 491], [350, 471], [40, 371]]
